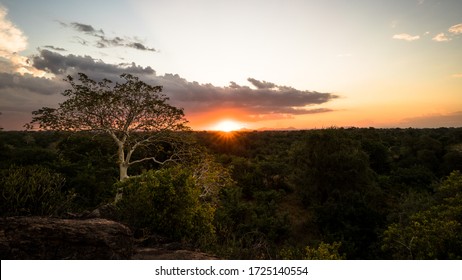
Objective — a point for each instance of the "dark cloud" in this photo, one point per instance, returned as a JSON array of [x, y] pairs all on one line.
[[140, 46], [30, 83], [22, 94], [59, 64], [86, 28], [106, 42], [25, 93], [54, 48], [261, 84], [101, 40], [267, 98]]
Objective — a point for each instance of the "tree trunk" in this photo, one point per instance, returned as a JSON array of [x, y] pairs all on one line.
[[123, 168]]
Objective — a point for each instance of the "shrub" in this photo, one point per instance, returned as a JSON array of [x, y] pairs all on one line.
[[324, 251], [167, 202], [32, 190]]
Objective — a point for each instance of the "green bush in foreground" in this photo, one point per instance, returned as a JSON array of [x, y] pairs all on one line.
[[324, 251], [32, 190], [167, 202]]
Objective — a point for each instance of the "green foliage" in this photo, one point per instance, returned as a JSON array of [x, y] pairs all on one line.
[[432, 233], [334, 178], [167, 202], [250, 229], [381, 193], [87, 161], [324, 251], [32, 190]]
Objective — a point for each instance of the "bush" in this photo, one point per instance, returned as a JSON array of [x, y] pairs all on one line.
[[32, 190], [167, 202], [324, 251]]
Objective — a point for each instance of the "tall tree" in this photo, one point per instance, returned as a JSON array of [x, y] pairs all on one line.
[[133, 113]]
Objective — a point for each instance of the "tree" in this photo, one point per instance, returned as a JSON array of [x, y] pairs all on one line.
[[133, 113], [334, 179], [433, 232]]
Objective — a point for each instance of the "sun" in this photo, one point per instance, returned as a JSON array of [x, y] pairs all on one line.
[[227, 126]]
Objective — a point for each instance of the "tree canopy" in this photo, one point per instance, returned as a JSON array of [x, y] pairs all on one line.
[[133, 113]]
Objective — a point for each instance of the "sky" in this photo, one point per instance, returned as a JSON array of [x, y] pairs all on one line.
[[264, 64]]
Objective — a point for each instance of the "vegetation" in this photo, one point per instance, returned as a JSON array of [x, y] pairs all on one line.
[[167, 202], [136, 115], [32, 190], [319, 194]]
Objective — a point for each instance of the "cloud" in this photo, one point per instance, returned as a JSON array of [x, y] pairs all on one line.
[[59, 64], [457, 75], [260, 84], [12, 39], [88, 29], [259, 100], [22, 94], [12, 42], [30, 83], [54, 48], [265, 98], [441, 37], [101, 40], [140, 46], [456, 29], [406, 37]]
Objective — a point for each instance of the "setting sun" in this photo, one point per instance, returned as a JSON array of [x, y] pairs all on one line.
[[227, 126]]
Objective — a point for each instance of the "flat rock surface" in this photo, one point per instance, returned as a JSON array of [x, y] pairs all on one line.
[[164, 254], [51, 238], [42, 238]]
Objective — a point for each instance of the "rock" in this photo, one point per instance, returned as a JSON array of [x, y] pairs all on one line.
[[51, 238], [164, 254], [106, 211]]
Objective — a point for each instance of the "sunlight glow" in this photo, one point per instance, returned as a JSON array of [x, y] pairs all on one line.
[[227, 126]]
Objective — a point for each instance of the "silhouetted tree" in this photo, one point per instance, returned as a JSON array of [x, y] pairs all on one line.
[[133, 113]]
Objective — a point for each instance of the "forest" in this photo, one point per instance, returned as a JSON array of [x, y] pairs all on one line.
[[334, 193]]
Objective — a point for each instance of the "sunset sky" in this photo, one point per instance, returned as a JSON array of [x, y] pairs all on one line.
[[262, 63]]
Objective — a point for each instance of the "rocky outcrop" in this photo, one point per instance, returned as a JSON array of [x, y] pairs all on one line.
[[50, 238], [29, 238], [159, 253]]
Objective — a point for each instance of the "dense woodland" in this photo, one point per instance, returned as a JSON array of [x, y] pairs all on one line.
[[317, 194]]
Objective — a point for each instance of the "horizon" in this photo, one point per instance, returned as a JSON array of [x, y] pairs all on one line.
[[258, 65]]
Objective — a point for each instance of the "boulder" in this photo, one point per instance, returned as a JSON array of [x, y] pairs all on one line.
[[51, 238]]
